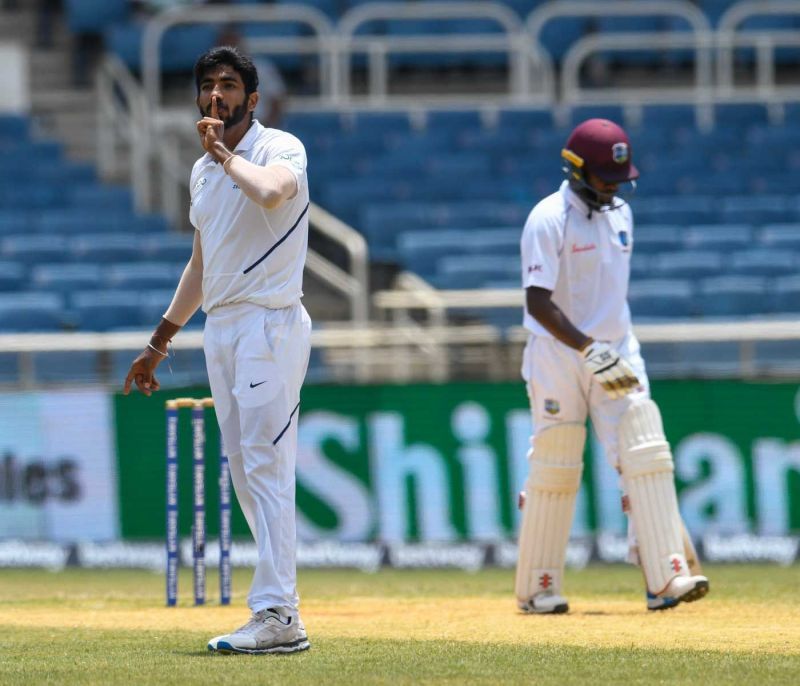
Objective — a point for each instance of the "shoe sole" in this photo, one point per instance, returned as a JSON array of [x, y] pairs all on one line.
[[557, 610], [666, 606], [699, 591], [225, 648]]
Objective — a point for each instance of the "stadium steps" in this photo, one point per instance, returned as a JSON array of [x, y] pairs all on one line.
[[60, 109]]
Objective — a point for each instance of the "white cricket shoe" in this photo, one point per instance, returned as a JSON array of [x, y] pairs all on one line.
[[268, 631], [658, 602], [545, 603], [686, 589]]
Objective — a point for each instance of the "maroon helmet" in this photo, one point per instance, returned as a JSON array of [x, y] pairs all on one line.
[[601, 147]]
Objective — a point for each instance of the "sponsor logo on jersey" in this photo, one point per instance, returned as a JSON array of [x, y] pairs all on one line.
[[551, 406], [534, 268], [200, 183], [619, 153], [291, 157], [583, 248]]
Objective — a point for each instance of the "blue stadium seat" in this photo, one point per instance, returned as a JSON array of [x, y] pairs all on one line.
[[169, 247], [87, 220], [660, 298], [13, 127], [640, 266], [144, 275], [107, 310], [669, 117], [106, 248], [65, 278], [33, 248], [763, 209], [388, 124], [13, 276], [764, 262], [26, 311], [419, 251], [780, 236], [473, 271], [676, 209], [655, 238], [583, 112], [101, 197], [719, 236], [687, 264], [92, 16], [558, 35], [15, 221], [525, 120], [733, 296], [786, 295], [450, 121], [740, 116]]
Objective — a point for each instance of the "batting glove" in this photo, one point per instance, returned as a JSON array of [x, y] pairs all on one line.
[[612, 372]]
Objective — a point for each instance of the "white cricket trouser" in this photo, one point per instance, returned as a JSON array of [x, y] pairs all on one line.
[[257, 360], [562, 389]]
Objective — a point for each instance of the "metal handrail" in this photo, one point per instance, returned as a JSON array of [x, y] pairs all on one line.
[[513, 41], [700, 92], [129, 125], [356, 284], [547, 12], [764, 42], [156, 27]]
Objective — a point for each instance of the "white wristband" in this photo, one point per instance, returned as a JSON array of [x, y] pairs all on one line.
[[152, 347]]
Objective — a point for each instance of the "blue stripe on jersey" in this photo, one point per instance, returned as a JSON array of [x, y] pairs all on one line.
[[280, 240]]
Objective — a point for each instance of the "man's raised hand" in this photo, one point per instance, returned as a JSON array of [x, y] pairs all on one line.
[[211, 128]]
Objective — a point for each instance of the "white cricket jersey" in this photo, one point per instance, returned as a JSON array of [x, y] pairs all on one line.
[[251, 254], [583, 257]]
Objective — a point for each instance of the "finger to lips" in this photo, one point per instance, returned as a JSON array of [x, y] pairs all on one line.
[[214, 113]]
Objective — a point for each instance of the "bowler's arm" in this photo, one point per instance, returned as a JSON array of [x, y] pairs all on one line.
[[269, 186]]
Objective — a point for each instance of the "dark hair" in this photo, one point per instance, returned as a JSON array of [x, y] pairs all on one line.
[[231, 57]]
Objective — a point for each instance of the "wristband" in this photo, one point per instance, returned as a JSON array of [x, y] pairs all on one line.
[[227, 162], [152, 347]]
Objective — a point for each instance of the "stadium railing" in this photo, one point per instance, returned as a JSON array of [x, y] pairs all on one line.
[[410, 349]]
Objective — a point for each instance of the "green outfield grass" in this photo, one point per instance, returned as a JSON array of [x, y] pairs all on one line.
[[404, 627]]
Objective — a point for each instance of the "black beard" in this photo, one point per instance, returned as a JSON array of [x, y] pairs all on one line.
[[234, 117]]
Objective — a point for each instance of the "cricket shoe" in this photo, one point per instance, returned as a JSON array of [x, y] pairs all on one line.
[[268, 631], [657, 602], [545, 603], [686, 589]]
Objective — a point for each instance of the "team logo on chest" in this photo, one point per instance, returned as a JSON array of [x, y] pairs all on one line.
[[623, 238]]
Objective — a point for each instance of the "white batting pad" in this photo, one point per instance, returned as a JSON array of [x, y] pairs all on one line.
[[647, 470], [556, 464]]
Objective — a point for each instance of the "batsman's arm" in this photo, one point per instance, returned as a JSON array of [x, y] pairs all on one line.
[[549, 315]]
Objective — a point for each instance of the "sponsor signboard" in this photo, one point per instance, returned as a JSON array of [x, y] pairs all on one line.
[[57, 466], [444, 462]]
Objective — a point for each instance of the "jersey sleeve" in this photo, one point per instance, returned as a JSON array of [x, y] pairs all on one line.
[[541, 247], [288, 152], [193, 188]]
